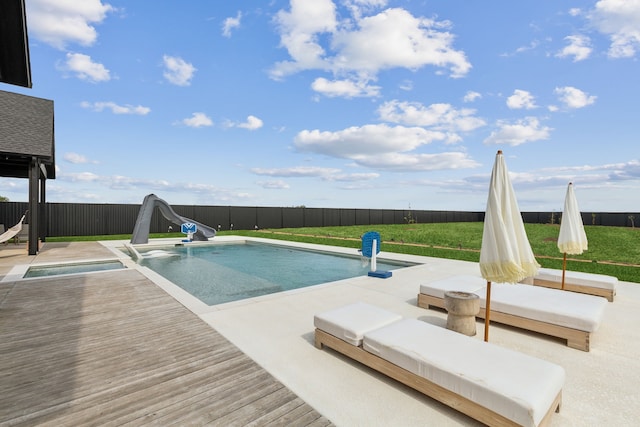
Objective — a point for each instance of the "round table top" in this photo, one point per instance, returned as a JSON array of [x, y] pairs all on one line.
[[460, 295]]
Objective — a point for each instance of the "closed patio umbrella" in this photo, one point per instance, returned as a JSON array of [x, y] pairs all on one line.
[[572, 238], [505, 253]]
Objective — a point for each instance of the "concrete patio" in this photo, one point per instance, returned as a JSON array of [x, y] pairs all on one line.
[[276, 331]]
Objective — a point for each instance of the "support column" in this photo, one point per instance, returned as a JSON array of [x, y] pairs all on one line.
[[42, 229], [34, 208]]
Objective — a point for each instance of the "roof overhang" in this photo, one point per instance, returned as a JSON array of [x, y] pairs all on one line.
[[15, 64]]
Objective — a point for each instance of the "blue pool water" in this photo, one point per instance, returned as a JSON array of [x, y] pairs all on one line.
[[217, 274]]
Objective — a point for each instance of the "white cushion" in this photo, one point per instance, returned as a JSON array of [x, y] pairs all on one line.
[[472, 284], [578, 278], [555, 306], [352, 321], [519, 387]]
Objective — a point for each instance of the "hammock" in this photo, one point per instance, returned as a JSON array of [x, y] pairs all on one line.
[[10, 233]]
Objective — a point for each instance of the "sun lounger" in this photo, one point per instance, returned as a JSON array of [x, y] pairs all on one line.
[[576, 281], [567, 315], [492, 384]]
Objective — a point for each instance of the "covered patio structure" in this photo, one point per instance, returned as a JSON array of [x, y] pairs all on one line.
[[27, 150]]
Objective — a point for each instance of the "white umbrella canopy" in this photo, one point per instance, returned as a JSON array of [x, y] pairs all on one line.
[[505, 253], [572, 238]]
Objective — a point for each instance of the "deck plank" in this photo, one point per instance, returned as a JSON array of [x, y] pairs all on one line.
[[113, 349]]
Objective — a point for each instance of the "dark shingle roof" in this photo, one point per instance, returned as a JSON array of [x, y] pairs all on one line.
[[26, 130]]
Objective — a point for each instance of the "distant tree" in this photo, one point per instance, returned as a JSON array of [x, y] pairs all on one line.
[[4, 199]]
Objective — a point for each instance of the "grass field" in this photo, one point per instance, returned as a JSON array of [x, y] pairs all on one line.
[[613, 251]]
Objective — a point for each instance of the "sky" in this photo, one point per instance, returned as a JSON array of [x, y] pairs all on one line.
[[341, 104]]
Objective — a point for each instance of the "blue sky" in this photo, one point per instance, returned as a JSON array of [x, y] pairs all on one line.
[[352, 104]]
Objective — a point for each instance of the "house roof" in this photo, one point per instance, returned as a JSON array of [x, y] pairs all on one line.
[[15, 66], [26, 131]]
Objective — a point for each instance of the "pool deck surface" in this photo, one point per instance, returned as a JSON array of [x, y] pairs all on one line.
[[276, 332]]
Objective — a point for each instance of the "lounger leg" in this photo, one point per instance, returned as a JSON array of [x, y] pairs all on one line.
[[580, 343], [318, 341]]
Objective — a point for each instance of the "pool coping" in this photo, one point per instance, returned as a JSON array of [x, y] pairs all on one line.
[[18, 271]]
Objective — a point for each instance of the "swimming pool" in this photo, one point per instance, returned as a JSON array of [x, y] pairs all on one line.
[[220, 273]]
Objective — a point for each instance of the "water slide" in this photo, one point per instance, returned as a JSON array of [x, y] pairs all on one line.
[[143, 223]]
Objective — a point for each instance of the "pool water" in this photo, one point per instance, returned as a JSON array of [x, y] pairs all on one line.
[[54, 270], [217, 274]]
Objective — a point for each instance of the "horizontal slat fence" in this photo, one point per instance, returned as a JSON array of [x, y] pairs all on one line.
[[77, 219]]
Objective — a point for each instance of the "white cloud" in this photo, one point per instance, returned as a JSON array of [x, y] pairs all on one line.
[[620, 20], [437, 116], [360, 46], [521, 99], [344, 88], [230, 24], [121, 182], [520, 132], [359, 7], [117, 109], [76, 158], [531, 46], [299, 30], [197, 120], [177, 70], [406, 85], [355, 141], [382, 147], [85, 69], [614, 171], [273, 185], [352, 177], [471, 96], [402, 162], [326, 174], [252, 123], [575, 11], [578, 47], [59, 23], [81, 177], [296, 172], [574, 98], [395, 38]]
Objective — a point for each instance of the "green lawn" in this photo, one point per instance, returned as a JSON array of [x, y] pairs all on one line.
[[613, 251]]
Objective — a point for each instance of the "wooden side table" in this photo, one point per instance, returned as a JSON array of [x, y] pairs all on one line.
[[462, 308]]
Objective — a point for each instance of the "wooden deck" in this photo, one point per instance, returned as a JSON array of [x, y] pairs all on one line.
[[112, 348]]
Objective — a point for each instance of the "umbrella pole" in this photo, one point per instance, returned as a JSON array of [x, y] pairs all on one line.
[[487, 311], [564, 268]]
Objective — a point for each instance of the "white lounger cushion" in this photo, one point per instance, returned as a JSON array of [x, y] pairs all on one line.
[[558, 307], [515, 385], [472, 284], [578, 278], [351, 322]]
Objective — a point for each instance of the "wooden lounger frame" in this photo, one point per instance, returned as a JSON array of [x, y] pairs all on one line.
[[609, 294], [421, 384], [575, 338]]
